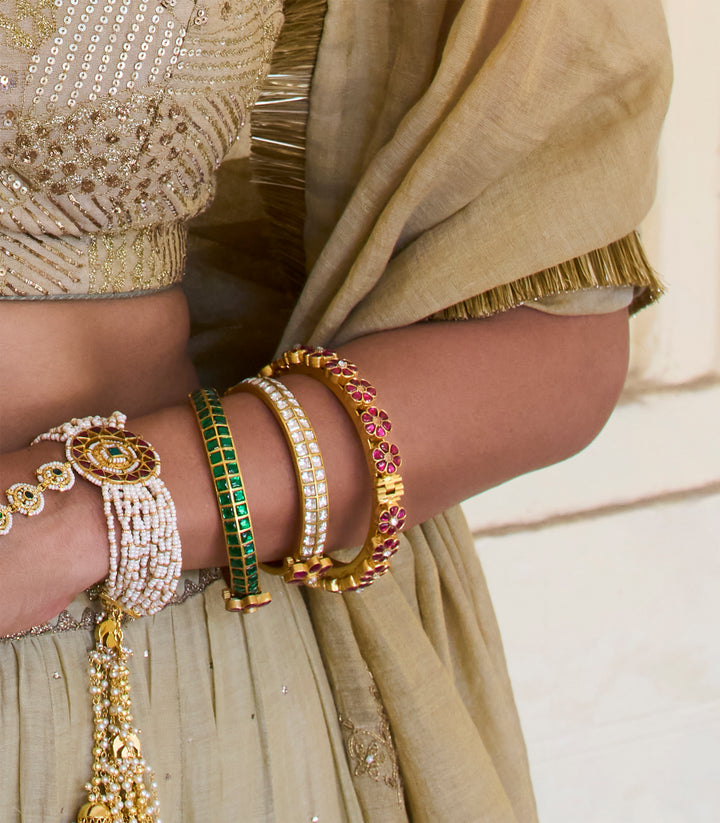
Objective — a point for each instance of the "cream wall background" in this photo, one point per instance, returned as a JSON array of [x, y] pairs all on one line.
[[605, 570]]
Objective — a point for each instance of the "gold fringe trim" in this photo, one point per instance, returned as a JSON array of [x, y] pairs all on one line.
[[279, 123], [622, 263]]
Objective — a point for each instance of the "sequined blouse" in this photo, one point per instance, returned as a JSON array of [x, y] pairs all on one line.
[[114, 116]]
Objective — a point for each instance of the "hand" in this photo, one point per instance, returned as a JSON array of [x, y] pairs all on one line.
[[49, 558]]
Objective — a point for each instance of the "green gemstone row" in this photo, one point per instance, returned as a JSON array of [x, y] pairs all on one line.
[[227, 479]]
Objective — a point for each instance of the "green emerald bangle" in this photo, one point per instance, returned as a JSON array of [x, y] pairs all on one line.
[[244, 593]]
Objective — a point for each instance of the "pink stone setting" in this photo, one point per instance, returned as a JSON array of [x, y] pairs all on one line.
[[386, 457], [341, 369], [376, 422], [360, 391], [392, 520]]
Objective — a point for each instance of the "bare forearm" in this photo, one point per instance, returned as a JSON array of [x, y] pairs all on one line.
[[473, 404]]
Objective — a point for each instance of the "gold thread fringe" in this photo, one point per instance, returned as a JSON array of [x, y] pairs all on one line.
[[278, 159], [622, 263], [279, 123]]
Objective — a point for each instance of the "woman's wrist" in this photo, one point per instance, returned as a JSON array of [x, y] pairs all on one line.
[[268, 473], [49, 558], [266, 467], [71, 525]]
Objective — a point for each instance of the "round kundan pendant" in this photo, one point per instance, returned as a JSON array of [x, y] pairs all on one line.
[[106, 454]]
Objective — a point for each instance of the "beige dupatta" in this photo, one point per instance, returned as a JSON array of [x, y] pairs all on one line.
[[454, 147], [455, 150]]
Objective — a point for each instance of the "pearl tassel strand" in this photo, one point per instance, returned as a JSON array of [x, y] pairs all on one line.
[[122, 788], [145, 565]]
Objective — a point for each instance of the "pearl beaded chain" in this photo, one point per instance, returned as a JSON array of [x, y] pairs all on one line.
[[146, 565], [122, 786]]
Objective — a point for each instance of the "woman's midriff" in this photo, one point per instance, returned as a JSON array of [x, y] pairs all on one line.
[[72, 358]]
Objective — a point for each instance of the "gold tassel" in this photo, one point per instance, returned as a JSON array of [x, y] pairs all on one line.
[[279, 123], [122, 788], [622, 263]]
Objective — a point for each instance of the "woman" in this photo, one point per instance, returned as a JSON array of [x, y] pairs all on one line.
[[462, 159]]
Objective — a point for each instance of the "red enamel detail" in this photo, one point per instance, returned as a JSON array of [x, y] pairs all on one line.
[[392, 520], [376, 422], [360, 390], [341, 368], [387, 457]]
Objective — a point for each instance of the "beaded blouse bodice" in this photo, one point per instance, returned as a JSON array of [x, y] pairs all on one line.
[[114, 116]]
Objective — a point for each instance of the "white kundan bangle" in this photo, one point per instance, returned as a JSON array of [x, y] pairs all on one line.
[[308, 564]]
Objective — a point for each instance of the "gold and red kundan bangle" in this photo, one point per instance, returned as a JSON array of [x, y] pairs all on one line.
[[372, 423]]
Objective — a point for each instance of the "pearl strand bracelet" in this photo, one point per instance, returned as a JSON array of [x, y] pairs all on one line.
[[145, 567], [144, 570]]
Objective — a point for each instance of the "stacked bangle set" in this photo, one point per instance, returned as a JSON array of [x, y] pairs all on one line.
[[372, 424], [308, 564], [145, 561]]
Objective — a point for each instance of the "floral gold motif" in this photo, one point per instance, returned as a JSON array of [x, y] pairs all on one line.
[[30, 24], [371, 751], [105, 454]]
